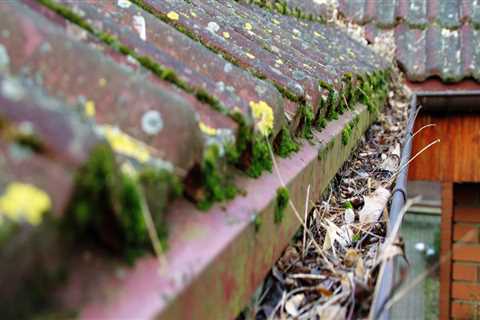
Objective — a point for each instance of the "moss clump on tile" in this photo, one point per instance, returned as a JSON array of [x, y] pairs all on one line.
[[261, 158], [321, 123], [281, 203], [285, 145], [217, 185], [67, 13], [107, 204], [346, 134], [257, 222], [94, 196], [306, 121], [283, 8]]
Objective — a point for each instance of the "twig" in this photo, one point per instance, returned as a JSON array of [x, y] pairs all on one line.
[[411, 159], [305, 219], [292, 205], [152, 233]]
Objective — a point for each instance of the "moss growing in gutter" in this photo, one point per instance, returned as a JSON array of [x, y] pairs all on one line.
[[281, 203], [285, 145], [348, 205]]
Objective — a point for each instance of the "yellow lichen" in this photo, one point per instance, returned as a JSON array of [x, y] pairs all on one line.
[[248, 26], [172, 15], [90, 108], [207, 129], [102, 82], [251, 56], [226, 35], [126, 145], [279, 61], [193, 13], [263, 115], [24, 202], [275, 21]]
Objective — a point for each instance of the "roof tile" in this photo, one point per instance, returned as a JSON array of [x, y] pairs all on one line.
[[67, 69], [449, 27]]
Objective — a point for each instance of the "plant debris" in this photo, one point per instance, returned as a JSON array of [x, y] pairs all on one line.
[[337, 279]]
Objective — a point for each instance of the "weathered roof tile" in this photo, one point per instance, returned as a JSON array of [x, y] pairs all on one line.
[[444, 34], [68, 69]]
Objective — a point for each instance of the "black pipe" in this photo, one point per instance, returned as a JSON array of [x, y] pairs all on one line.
[[399, 197]]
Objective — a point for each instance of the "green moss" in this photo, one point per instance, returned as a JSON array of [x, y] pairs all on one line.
[[346, 134], [356, 237], [286, 144], [203, 96], [257, 222], [94, 196], [245, 132], [348, 205], [218, 187], [281, 203], [288, 94], [29, 141], [321, 123], [306, 122], [261, 159], [107, 205], [67, 13], [283, 8]]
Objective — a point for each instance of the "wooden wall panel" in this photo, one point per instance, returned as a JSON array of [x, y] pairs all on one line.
[[457, 157], [445, 250]]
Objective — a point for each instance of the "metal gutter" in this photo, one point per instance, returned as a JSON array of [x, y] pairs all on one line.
[[432, 101], [399, 198], [449, 100]]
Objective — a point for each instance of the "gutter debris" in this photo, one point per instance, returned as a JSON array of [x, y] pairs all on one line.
[[350, 224]]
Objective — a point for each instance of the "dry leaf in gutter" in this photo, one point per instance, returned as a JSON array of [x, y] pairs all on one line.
[[351, 257], [343, 236], [360, 269], [374, 204], [349, 215], [332, 312], [395, 248], [293, 304]]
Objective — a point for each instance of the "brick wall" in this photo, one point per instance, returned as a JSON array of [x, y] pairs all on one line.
[[465, 264]]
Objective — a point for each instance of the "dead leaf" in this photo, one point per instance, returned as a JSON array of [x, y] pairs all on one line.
[[360, 269], [351, 257], [349, 215], [332, 312], [292, 306], [374, 204]]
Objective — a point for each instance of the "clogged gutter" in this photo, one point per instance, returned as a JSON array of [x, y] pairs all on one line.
[[348, 225]]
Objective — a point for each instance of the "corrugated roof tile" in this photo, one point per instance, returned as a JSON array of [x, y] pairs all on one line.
[[451, 32]]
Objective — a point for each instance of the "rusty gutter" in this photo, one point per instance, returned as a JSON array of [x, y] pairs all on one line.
[[386, 284]]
